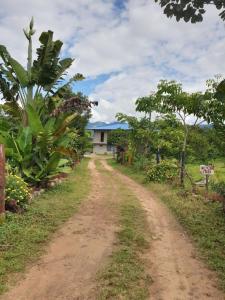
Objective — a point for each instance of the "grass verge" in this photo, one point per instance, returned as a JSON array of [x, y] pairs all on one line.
[[23, 237], [205, 222], [125, 276], [219, 164]]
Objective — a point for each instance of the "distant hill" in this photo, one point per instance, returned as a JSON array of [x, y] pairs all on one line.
[[95, 124]]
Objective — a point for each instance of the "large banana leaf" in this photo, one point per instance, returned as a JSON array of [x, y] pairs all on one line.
[[63, 123], [47, 68], [20, 72], [34, 120], [13, 109], [24, 140], [13, 66], [6, 89]]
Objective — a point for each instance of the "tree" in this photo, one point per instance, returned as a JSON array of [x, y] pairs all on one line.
[[167, 135], [171, 99], [118, 137], [139, 135], [215, 99], [190, 10], [144, 105]]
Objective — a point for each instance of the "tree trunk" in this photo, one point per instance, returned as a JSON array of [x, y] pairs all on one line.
[[2, 181], [158, 156], [183, 157], [182, 168]]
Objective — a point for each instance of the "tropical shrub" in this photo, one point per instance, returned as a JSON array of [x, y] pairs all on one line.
[[141, 163], [165, 171], [38, 119], [38, 149], [17, 190], [219, 188]]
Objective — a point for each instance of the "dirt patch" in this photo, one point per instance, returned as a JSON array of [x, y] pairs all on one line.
[[77, 252], [176, 271]]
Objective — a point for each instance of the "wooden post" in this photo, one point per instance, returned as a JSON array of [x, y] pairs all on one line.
[[207, 182], [2, 181]]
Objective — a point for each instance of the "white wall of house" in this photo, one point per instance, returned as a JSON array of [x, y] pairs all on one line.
[[97, 137], [100, 149]]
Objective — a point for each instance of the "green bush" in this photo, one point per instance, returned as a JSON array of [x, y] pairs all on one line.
[[219, 188], [17, 190], [141, 163], [165, 171]]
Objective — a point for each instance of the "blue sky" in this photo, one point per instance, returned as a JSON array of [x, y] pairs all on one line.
[[123, 48]]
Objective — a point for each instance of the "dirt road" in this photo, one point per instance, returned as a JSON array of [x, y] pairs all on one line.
[[77, 252], [176, 272], [80, 249]]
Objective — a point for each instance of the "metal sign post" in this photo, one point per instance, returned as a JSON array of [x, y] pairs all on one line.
[[2, 180]]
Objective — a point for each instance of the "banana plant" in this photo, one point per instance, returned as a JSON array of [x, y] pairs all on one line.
[[43, 76], [35, 122], [39, 150]]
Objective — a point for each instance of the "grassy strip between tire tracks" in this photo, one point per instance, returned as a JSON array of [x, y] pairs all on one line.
[[204, 221], [23, 237], [125, 276]]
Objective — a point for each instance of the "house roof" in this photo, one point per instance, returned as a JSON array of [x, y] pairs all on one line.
[[110, 126]]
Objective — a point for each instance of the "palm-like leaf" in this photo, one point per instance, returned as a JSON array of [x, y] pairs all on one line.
[[48, 68]]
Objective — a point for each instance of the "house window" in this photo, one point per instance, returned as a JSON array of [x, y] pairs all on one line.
[[102, 137]]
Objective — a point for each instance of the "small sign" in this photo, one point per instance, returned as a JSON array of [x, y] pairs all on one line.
[[207, 170]]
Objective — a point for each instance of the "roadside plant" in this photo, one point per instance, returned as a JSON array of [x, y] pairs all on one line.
[[37, 150], [219, 188], [141, 163], [39, 115], [17, 190], [170, 98], [165, 171]]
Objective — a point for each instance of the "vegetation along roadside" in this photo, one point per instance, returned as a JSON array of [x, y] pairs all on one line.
[[23, 236], [204, 221]]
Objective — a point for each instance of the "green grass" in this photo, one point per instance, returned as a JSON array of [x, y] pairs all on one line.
[[193, 170], [205, 222], [125, 276], [23, 237], [129, 171]]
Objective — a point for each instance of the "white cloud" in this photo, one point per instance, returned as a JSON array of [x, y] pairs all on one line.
[[135, 46]]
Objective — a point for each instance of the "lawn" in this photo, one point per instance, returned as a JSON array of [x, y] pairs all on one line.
[[204, 221], [23, 237]]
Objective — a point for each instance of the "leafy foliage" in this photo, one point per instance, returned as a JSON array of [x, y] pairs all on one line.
[[190, 10], [141, 163], [17, 189], [43, 75], [165, 171], [219, 187], [36, 150], [40, 125]]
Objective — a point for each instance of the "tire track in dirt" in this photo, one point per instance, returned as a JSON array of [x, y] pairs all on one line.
[[176, 271], [79, 249]]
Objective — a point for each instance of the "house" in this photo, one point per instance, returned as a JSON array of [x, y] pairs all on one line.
[[100, 136]]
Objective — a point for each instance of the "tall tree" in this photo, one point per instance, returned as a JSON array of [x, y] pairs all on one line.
[[190, 10], [171, 99]]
